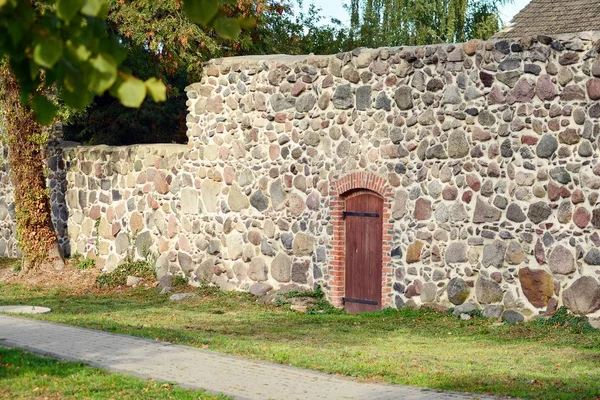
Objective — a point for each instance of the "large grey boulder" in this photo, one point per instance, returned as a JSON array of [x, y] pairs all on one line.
[[583, 296]]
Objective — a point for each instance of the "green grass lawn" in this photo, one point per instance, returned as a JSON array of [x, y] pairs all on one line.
[[422, 348], [26, 376]]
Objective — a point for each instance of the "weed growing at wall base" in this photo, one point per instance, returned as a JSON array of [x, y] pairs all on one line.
[[564, 318], [118, 277]]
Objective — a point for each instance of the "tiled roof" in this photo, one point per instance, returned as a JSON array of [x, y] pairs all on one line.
[[554, 17]]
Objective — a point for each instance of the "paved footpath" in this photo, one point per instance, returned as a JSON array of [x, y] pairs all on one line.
[[195, 368]]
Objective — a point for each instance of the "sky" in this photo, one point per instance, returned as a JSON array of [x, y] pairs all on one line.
[[334, 8]]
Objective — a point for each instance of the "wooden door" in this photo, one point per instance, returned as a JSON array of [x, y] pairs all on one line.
[[364, 226]]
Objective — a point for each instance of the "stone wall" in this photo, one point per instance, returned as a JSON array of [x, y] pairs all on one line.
[[485, 154], [8, 245], [488, 152]]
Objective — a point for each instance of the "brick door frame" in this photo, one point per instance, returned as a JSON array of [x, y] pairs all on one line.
[[339, 190]]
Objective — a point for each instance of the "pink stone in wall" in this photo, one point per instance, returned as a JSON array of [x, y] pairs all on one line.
[[228, 175], [394, 179], [480, 135], [545, 88], [280, 117], [581, 217], [160, 183], [391, 81], [298, 88], [95, 212], [184, 243], [473, 182], [450, 193], [523, 92], [593, 88], [389, 152], [115, 229], [577, 197], [274, 152], [554, 190], [554, 125], [414, 289], [172, 227], [496, 277], [110, 215], [529, 140], [254, 237], [422, 209], [467, 196], [224, 152], [296, 204]]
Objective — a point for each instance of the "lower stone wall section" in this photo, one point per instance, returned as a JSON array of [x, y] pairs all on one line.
[[8, 243], [156, 202]]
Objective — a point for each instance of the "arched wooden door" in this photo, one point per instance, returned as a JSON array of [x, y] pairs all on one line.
[[364, 229]]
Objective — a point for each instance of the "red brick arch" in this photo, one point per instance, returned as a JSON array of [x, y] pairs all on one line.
[[340, 189]]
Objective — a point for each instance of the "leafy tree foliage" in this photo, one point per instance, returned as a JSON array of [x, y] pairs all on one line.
[[163, 43], [64, 46], [376, 23], [287, 31]]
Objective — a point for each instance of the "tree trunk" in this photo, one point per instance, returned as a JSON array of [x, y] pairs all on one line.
[[26, 140]]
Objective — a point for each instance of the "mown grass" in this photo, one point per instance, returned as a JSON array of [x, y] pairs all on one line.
[[26, 376], [422, 348]]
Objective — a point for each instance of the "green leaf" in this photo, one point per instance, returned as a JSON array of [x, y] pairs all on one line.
[[156, 89], [79, 51], [95, 8], [3, 3], [77, 99], [201, 11], [44, 109], [67, 9], [104, 73], [247, 22], [112, 46], [48, 51], [34, 69], [132, 92], [227, 28]]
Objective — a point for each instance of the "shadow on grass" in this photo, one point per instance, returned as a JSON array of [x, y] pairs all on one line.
[[14, 363], [24, 375]]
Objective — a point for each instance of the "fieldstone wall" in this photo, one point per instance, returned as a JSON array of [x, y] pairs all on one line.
[[486, 154], [489, 149], [8, 245]]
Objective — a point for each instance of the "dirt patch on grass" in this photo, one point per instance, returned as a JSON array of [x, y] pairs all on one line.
[[73, 279]]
